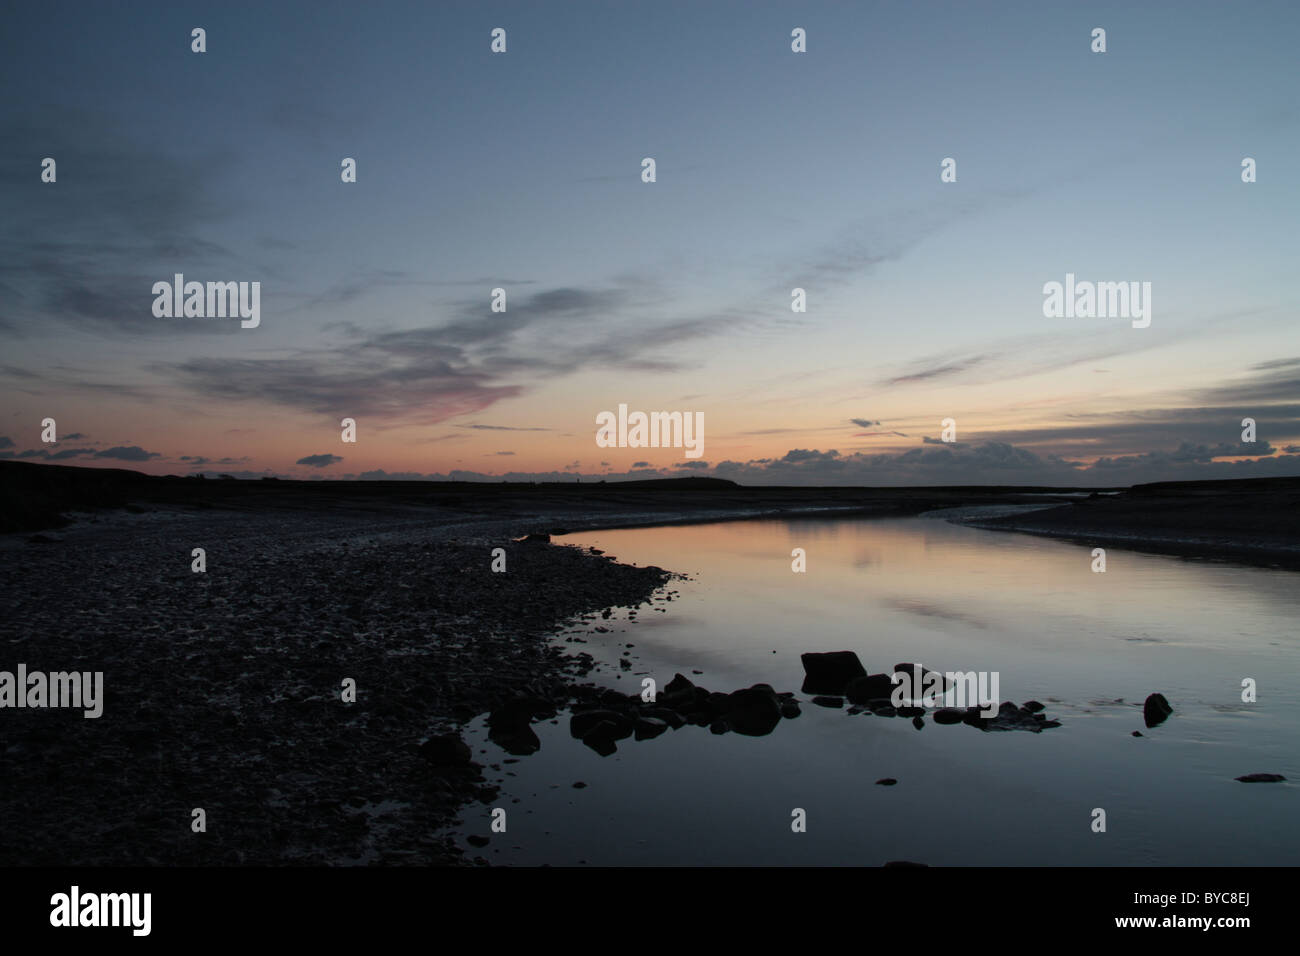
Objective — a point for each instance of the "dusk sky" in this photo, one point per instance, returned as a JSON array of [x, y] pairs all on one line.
[[775, 170]]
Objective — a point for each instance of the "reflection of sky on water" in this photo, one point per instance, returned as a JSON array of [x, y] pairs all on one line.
[[1090, 646]]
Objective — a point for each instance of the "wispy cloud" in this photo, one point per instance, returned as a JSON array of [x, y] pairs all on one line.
[[434, 373], [319, 461], [925, 371]]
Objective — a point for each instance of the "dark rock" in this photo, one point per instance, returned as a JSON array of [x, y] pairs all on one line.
[[911, 712], [618, 725], [830, 673], [828, 701], [477, 840], [1137, 733], [882, 708], [601, 738], [1262, 778], [509, 726], [1156, 710], [535, 539], [613, 700], [918, 723], [679, 686], [519, 741], [719, 726], [446, 750], [790, 709], [668, 716], [719, 703], [754, 712], [886, 782], [581, 724], [917, 673], [869, 687], [905, 863], [948, 715], [1033, 706], [579, 785], [647, 728]]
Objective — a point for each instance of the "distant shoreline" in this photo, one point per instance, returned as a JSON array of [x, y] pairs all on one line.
[[1251, 520]]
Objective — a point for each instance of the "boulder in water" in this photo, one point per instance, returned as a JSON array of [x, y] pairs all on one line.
[[583, 723], [831, 672], [754, 711], [649, 727], [1156, 710], [869, 687]]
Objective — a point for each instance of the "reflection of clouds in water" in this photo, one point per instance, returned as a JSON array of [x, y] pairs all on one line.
[[816, 529], [934, 610]]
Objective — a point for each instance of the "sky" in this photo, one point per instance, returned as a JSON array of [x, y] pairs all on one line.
[[774, 170]]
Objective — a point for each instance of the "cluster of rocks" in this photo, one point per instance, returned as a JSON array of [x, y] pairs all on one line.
[[607, 716], [835, 676]]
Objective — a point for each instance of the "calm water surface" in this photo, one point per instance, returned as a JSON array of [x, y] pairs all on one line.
[[1089, 646]]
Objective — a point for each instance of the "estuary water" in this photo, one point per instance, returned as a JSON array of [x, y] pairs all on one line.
[[1090, 646]]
